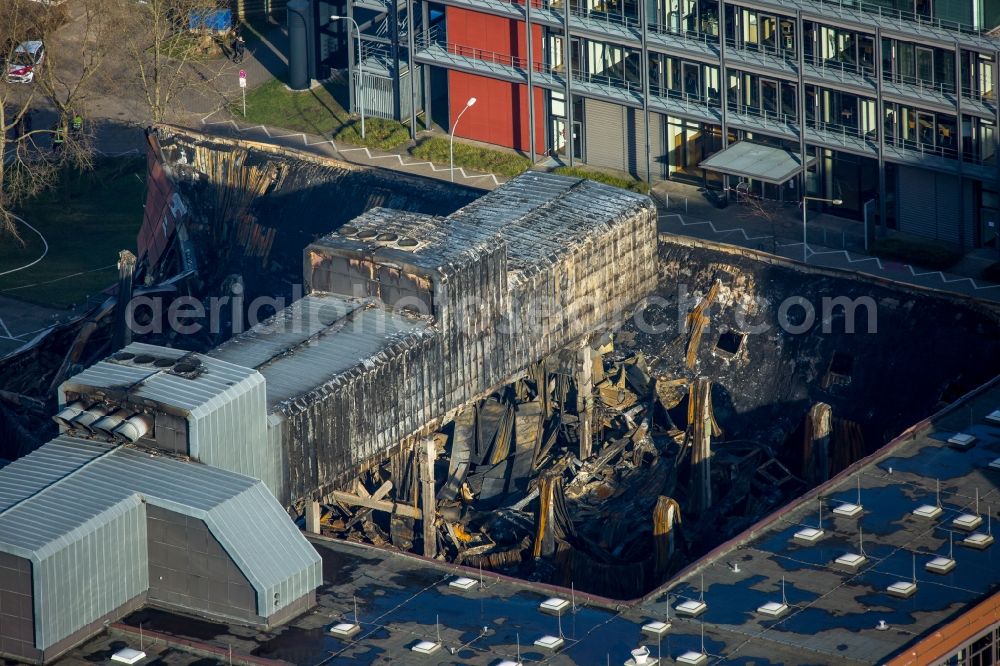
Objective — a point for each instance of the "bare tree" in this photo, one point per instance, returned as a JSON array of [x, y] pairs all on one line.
[[27, 166], [168, 52], [76, 56]]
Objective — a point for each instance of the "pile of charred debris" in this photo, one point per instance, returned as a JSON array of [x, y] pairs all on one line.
[[577, 474]]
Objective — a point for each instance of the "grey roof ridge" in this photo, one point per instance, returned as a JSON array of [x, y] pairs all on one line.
[[60, 480]]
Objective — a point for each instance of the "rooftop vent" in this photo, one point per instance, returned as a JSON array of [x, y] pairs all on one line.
[[106, 425], [930, 511], [88, 417], [851, 509], [981, 540], [462, 583], [348, 230], [852, 561], [366, 234], [429, 647], [775, 608], [962, 441], [128, 656], [904, 589], [68, 413], [994, 417], [134, 428], [554, 606], [347, 630], [656, 628], [640, 657], [387, 237]]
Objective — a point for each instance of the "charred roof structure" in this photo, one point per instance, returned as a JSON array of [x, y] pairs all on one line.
[[541, 384], [334, 383]]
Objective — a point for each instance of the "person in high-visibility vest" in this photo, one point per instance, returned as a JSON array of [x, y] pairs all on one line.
[[58, 139], [77, 124]]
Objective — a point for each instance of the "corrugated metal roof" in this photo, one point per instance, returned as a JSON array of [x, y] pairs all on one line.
[[82, 485], [193, 395], [314, 340]]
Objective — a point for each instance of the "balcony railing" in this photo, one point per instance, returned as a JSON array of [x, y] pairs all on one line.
[[936, 88], [775, 120], [704, 38], [844, 72], [607, 18], [899, 15], [925, 148], [985, 98], [772, 52], [692, 101]]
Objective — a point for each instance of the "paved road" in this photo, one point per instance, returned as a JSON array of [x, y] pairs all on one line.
[[684, 211]]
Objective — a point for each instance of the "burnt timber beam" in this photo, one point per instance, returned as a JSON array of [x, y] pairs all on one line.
[[379, 505]]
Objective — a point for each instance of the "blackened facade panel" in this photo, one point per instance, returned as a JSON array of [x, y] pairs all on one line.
[[189, 569], [17, 625]]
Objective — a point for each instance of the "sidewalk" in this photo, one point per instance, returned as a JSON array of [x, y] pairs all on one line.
[[832, 242]]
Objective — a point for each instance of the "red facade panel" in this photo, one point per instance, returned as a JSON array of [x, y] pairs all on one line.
[[500, 115]]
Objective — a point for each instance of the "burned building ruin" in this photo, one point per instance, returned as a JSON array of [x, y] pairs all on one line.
[[535, 384]]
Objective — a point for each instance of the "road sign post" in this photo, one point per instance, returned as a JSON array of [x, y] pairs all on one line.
[[243, 89]]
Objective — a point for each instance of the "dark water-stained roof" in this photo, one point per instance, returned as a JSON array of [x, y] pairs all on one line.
[[834, 613]]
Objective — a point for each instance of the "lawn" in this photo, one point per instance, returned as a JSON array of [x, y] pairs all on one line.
[[501, 162], [317, 111], [85, 230], [314, 111], [622, 180]]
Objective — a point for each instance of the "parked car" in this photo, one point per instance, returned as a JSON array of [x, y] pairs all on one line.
[[25, 62]]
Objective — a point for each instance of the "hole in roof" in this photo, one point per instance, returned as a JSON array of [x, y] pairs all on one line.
[[730, 342], [407, 242], [347, 230], [143, 359], [185, 367], [163, 362], [387, 237], [124, 356], [366, 233], [841, 363]]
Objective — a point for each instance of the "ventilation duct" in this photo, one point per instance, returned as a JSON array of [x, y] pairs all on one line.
[[106, 426], [134, 428], [68, 413], [88, 417]]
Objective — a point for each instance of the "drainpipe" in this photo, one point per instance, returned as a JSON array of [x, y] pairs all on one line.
[[644, 73], [723, 86], [568, 67], [531, 96], [883, 208], [801, 44], [425, 22], [958, 140], [412, 67]]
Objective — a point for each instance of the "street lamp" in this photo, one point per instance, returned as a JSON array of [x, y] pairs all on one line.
[[451, 136], [805, 246], [361, 69]]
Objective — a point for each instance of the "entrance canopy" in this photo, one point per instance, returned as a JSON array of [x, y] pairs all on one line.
[[753, 160]]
